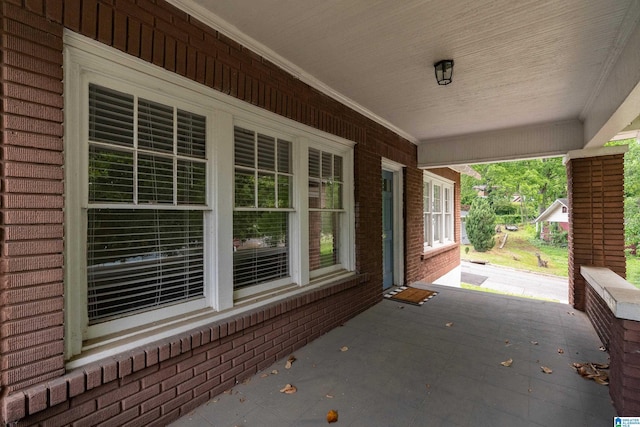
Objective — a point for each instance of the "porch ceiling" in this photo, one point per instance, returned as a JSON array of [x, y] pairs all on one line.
[[517, 64]]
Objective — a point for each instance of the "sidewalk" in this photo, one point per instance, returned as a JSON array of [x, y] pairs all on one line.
[[517, 282]]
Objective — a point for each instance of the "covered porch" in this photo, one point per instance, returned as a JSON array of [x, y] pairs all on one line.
[[402, 365]]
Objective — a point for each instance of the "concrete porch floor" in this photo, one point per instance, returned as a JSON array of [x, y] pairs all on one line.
[[405, 367]]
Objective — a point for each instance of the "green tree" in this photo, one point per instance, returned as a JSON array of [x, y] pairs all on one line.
[[480, 224], [631, 191]]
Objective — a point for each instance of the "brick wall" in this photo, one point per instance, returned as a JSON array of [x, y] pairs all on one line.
[[431, 265], [596, 234], [165, 380]]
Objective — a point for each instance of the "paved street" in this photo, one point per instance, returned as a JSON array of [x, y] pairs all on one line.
[[517, 282]]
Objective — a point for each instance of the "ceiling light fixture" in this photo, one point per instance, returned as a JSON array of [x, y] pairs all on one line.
[[444, 71]]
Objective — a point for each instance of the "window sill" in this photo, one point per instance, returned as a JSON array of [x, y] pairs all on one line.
[[430, 253], [203, 319]]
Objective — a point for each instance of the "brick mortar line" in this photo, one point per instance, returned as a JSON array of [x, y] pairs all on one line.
[[269, 312]]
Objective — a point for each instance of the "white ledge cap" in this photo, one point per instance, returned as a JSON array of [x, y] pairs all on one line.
[[621, 296]]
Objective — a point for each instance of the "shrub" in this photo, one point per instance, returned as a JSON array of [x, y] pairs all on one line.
[[480, 225]]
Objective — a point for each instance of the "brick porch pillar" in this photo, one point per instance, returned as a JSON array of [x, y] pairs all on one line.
[[595, 179]]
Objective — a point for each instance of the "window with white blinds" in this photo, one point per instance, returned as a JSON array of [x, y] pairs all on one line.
[[326, 183], [262, 192], [437, 211], [147, 196]]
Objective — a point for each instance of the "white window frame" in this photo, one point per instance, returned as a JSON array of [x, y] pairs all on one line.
[[445, 212], [89, 61]]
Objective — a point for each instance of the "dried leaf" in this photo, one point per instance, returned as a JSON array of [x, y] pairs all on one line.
[[332, 416], [571, 313], [345, 348], [290, 361], [401, 307], [288, 389], [534, 342], [507, 363], [329, 396], [546, 370], [506, 341], [448, 324], [560, 351], [274, 372], [593, 371]]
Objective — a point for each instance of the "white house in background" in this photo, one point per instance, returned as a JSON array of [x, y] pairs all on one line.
[[558, 212]]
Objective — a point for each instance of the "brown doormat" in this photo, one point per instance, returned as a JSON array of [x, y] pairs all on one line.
[[410, 295]]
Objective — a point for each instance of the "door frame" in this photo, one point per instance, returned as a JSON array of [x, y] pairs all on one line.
[[398, 219]]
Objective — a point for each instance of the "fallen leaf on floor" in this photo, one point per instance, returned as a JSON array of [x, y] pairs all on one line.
[[529, 390], [560, 351], [288, 389], [332, 416], [507, 363], [428, 386], [274, 372], [329, 396], [448, 324], [230, 391], [243, 399], [290, 361], [593, 371], [264, 375], [345, 348], [401, 307], [546, 370], [247, 381], [571, 313], [506, 341], [534, 342]]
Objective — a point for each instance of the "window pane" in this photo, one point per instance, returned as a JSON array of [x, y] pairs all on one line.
[[284, 191], [436, 199], [314, 163], [314, 194], [261, 247], [191, 182], [437, 227], [266, 153], [192, 135], [324, 235], [447, 198], [327, 166], [110, 116], [144, 259], [155, 126], [110, 175], [425, 197], [337, 168], [266, 190], [245, 189], [284, 156], [331, 195], [244, 148], [155, 179]]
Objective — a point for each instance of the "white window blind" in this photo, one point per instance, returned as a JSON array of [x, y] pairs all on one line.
[[325, 208], [147, 195], [262, 192]]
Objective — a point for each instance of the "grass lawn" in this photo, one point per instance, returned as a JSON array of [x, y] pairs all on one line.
[[520, 252]]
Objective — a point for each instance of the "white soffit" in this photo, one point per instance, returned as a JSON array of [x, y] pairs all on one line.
[[544, 140]]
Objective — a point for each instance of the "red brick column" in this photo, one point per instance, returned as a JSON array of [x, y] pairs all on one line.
[[596, 216]]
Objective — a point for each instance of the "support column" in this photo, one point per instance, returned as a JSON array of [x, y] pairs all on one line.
[[595, 179]]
